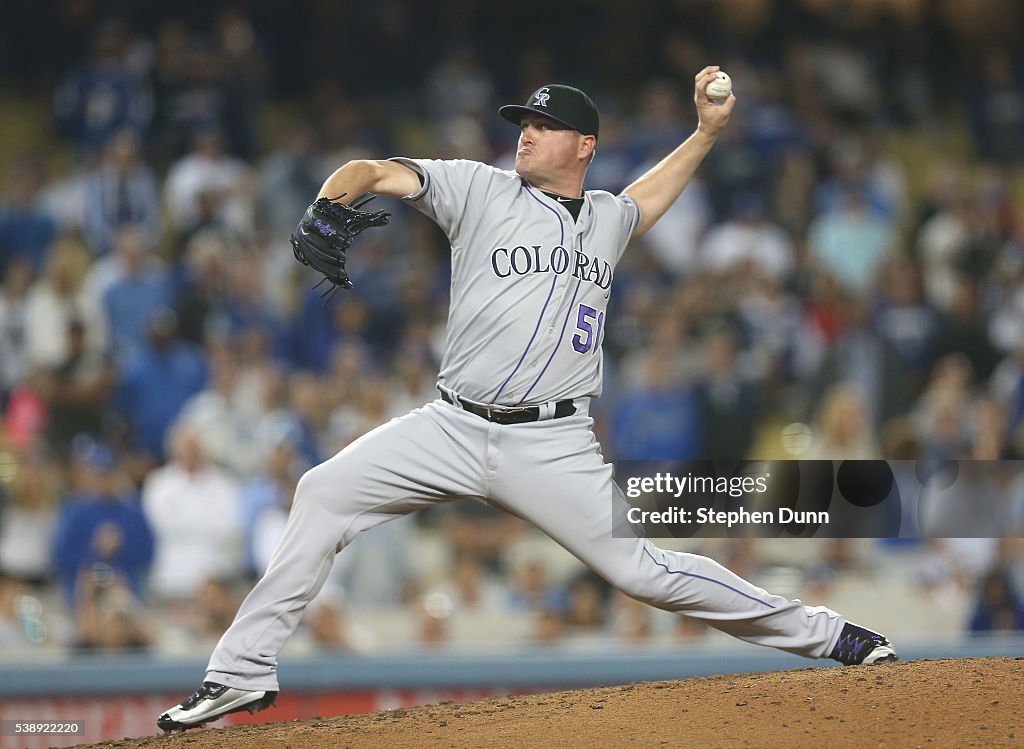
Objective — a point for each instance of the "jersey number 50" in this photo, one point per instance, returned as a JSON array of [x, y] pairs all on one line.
[[590, 335]]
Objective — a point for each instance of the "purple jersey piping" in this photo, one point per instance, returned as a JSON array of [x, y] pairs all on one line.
[[540, 319], [636, 219], [590, 211], [426, 185], [707, 579], [554, 350], [420, 172]]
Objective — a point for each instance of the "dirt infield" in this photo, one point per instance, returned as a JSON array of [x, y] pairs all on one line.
[[938, 703]]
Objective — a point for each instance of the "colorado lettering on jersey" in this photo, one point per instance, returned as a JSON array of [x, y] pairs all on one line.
[[524, 260]]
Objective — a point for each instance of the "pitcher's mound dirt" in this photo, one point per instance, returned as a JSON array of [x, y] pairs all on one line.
[[937, 703]]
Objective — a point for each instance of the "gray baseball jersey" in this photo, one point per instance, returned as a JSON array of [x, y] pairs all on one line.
[[530, 287]]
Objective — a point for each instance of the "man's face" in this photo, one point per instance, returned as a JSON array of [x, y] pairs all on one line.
[[546, 148]]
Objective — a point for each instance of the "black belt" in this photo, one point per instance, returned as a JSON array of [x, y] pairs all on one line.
[[502, 415]]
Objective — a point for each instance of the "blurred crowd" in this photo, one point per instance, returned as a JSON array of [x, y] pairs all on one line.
[[167, 371]]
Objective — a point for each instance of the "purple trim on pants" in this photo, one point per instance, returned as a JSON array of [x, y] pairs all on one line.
[[701, 577]]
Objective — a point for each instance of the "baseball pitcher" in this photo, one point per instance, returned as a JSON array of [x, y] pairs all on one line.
[[533, 262]]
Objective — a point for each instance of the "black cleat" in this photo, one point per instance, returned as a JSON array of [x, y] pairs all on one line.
[[859, 646]]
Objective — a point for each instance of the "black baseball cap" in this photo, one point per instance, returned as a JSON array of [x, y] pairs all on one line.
[[562, 103]]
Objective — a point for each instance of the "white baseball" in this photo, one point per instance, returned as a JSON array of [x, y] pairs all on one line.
[[721, 87]]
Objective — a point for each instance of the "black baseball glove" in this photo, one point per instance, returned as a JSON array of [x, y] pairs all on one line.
[[327, 230]]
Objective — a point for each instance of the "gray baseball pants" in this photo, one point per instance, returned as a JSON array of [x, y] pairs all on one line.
[[549, 472]]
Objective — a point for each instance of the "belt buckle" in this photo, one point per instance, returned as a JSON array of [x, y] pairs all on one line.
[[498, 415]]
